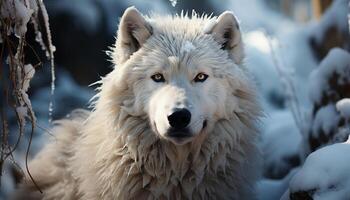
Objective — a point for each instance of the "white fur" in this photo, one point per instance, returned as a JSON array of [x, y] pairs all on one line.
[[115, 152]]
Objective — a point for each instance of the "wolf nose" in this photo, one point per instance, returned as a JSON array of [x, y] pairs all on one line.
[[180, 118]]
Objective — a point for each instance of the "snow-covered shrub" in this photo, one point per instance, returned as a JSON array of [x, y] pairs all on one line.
[[328, 84], [324, 175], [280, 145], [16, 73], [343, 106], [332, 31]]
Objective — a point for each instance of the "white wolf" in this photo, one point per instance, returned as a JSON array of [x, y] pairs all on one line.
[[175, 119]]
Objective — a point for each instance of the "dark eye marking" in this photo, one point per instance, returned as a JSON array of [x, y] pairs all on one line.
[[158, 77], [200, 77]]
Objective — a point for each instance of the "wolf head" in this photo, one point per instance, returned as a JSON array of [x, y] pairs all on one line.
[[183, 73]]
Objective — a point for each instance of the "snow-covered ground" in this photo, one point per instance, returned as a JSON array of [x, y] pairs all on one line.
[[283, 65], [325, 174]]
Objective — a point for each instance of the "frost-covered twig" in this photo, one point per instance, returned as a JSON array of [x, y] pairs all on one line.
[[15, 15], [49, 49], [292, 99]]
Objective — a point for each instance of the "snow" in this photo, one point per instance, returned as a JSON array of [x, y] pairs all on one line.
[[187, 47], [335, 15], [327, 172], [29, 72], [343, 106], [337, 61], [325, 120], [19, 12], [323, 86], [288, 47], [51, 48], [24, 77], [280, 146], [258, 40], [269, 189], [22, 114]]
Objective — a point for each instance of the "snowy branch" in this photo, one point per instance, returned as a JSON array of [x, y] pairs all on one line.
[[15, 16]]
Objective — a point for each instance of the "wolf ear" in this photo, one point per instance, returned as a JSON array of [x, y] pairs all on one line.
[[133, 32], [227, 33]]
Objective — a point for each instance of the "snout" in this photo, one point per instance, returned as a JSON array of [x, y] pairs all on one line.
[[178, 131], [175, 116], [179, 119]]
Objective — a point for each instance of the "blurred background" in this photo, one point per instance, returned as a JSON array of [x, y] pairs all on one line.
[[83, 29], [286, 40]]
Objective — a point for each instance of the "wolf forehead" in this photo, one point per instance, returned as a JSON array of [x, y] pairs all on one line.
[[178, 35], [182, 33]]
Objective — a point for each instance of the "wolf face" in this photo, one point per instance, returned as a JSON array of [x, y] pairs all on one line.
[[183, 79], [183, 101]]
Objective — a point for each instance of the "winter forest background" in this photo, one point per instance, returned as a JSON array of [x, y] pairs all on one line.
[[297, 51]]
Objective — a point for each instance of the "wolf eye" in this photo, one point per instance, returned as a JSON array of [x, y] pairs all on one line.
[[201, 77], [158, 77]]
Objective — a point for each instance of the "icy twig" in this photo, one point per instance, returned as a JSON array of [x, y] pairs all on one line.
[[292, 99], [50, 49], [15, 15]]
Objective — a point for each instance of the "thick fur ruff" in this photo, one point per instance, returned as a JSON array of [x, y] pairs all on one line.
[[113, 153]]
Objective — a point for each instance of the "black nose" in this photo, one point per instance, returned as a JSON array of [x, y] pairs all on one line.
[[180, 118]]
